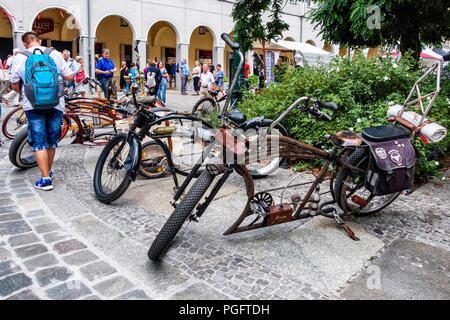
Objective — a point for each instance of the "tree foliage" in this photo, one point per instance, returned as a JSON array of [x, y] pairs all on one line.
[[249, 26], [407, 23]]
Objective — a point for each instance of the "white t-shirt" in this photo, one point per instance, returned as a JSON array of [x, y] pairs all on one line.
[[207, 79], [10, 62], [19, 74], [195, 70]]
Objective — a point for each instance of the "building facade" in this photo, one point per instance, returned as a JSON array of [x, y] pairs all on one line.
[[137, 30]]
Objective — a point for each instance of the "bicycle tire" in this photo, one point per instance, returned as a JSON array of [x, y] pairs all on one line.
[[202, 100], [5, 131], [15, 151], [142, 170], [98, 188], [356, 159], [179, 216]]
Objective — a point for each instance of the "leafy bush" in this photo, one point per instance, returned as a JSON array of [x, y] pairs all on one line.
[[363, 90]]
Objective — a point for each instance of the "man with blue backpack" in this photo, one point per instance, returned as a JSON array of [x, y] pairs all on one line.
[[36, 75]]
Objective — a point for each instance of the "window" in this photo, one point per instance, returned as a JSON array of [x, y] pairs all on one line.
[[293, 2]]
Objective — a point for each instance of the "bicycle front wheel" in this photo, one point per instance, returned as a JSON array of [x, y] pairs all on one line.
[[21, 152], [179, 216], [110, 176]]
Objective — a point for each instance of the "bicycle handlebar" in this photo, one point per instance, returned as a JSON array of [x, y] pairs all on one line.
[[329, 105], [234, 46]]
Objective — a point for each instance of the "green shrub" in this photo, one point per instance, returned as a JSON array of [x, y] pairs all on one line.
[[363, 90]]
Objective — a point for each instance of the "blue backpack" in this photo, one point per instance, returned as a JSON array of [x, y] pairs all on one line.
[[42, 86]]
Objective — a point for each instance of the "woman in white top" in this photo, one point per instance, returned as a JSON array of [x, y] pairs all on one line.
[[196, 76]]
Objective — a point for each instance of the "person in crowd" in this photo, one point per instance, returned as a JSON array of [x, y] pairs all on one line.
[[132, 74], [173, 75], [211, 67], [247, 68], [105, 69], [196, 72], [219, 76], [123, 72], [152, 76], [163, 84], [74, 66], [206, 81], [79, 77], [183, 69], [44, 125], [6, 61], [12, 97]]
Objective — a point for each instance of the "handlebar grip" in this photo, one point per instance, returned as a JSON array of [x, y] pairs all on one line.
[[234, 46], [329, 105]]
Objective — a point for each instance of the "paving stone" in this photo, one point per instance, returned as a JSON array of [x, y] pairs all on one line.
[[134, 295], [14, 283], [80, 257], [20, 190], [113, 287], [14, 227], [23, 239], [40, 220], [10, 217], [9, 209], [24, 195], [4, 195], [8, 267], [68, 246], [97, 270], [24, 295], [48, 227], [93, 297], [56, 236], [68, 291], [31, 250], [35, 213], [6, 202], [200, 291], [4, 254], [51, 275], [42, 261]]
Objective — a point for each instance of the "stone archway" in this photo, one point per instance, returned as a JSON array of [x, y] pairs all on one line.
[[162, 39], [58, 29], [116, 33], [6, 34], [201, 45]]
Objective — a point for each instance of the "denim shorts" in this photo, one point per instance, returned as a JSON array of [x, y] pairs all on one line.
[[44, 128]]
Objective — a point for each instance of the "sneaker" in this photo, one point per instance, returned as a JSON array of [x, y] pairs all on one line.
[[45, 185], [51, 175]]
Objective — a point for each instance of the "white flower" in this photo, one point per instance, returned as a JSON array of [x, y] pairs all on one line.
[[386, 78], [443, 178], [351, 129], [391, 103], [395, 66], [437, 163], [358, 120]]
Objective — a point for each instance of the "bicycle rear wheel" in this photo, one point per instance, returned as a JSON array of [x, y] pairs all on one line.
[[179, 216], [204, 106], [21, 152], [350, 193]]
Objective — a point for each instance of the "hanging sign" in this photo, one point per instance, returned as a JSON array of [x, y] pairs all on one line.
[[270, 63], [42, 26]]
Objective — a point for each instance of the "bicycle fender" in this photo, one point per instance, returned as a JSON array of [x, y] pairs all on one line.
[[133, 159]]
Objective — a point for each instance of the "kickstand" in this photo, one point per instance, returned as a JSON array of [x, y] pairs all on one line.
[[341, 222]]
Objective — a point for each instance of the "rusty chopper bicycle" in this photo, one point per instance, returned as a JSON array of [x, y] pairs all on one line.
[[350, 160]]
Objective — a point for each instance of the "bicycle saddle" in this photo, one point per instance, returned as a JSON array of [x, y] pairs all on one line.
[[345, 139], [214, 93], [148, 100], [384, 133], [236, 116]]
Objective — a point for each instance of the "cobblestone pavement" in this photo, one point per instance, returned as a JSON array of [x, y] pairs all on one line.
[[65, 244]]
